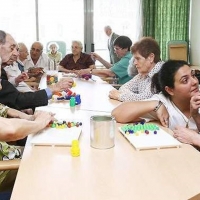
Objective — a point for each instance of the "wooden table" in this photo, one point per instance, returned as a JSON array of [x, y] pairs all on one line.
[[119, 173], [94, 95]]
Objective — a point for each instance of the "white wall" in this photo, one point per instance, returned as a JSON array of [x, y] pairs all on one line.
[[195, 33]]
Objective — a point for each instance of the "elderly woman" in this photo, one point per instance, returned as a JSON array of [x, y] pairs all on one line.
[[53, 53], [146, 60], [77, 60]]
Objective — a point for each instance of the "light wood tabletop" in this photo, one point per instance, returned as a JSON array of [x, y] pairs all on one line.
[[50, 172], [93, 93]]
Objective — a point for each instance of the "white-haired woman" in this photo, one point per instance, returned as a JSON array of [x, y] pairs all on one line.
[[53, 53]]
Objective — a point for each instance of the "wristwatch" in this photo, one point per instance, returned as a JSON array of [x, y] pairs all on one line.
[[158, 106]]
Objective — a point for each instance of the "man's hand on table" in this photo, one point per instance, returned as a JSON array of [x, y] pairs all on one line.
[[62, 85]]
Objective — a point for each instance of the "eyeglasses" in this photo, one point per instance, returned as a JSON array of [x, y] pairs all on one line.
[[117, 48]]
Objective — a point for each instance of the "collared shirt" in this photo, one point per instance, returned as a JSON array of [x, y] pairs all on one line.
[[44, 61], [12, 72], [139, 87], [83, 62], [120, 68], [20, 65]]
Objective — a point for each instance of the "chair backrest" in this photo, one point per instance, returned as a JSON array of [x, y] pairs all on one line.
[[178, 50], [62, 47]]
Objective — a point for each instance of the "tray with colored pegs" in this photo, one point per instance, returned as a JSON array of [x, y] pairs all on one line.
[[148, 136], [58, 133]]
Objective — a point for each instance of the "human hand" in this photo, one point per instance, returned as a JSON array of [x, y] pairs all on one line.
[[95, 56], [23, 76], [163, 115], [32, 79], [62, 85], [44, 117], [114, 94], [195, 104], [28, 111], [82, 72], [186, 135]]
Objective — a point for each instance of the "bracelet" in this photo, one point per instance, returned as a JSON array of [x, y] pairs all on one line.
[[158, 106]]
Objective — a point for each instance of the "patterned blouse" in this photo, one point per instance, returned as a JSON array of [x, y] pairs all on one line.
[[139, 87], [3, 110], [7, 152]]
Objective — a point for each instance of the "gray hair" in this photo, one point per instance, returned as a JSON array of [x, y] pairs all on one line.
[[78, 42], [2, 37], [53, 43], [108, 28], [21, 45]]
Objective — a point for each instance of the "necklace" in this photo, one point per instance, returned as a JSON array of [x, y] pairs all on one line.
[[187, 120]]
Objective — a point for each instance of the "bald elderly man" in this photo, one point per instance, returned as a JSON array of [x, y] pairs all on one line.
[[37, 58]]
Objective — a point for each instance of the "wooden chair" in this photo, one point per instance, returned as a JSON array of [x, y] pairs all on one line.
[[178, 50]]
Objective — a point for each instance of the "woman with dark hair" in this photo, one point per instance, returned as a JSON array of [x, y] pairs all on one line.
[[176, 104], [146, 54]]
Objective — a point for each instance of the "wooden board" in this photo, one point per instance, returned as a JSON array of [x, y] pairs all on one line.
[[56, 136], [151, 141]]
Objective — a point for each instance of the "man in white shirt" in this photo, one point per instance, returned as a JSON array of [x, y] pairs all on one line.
[[16, 77], [23, 54], [37, 58], [15, 72]]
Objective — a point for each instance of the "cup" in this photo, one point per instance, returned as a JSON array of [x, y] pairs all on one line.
[[102, 131]]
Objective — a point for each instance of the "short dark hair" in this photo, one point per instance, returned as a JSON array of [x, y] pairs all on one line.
[[2, 37], [123, 42], [145, 47], [165, 77]]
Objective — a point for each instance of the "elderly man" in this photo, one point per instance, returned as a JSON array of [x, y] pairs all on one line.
[[15, 72], [77, 60], [23, 55], [111, 38], [37, 58], [9, 95]]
